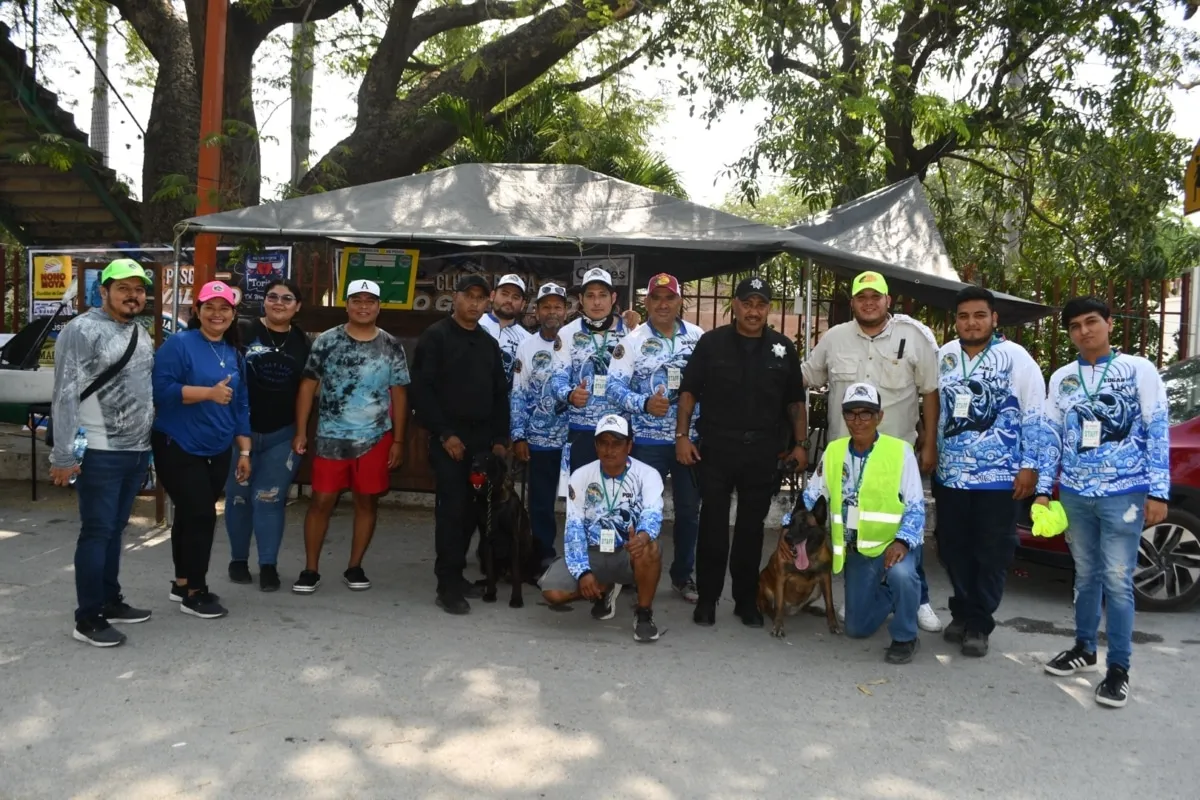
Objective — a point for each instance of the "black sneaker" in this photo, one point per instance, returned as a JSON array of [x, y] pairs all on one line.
[[953, 632], [203, 605], [1113, 691], [268, 578], [98, 633], [239, 572], [750, 615], [120, 611], [974, 645], [453, 603], [307, 583], [902, 652], [1070, 662], [606, 606], [705, 614], [356, 579], [644, 629], [177, 593]]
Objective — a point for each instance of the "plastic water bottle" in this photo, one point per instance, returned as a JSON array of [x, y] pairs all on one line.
[[80, 448]]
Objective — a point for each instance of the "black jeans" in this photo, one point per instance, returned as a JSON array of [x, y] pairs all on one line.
[[193, 483], [751, 469], [455, 512], [542, 474], [583, 448], [977, 538]]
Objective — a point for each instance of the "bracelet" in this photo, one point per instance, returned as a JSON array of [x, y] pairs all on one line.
[[681, 436], [245, 454]]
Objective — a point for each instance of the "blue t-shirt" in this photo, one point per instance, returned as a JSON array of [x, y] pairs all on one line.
[[206, 428], [355, 409]]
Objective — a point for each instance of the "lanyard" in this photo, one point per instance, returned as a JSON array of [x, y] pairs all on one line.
[[862, 468], [982, 356], [603, 348], [611, 504], [1103, 375], [674, 334]]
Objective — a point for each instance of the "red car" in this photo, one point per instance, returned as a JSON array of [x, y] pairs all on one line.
[[1168, 569]]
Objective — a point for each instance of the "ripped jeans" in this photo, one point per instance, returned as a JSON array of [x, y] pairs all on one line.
[[1103, 534], [258, 507]]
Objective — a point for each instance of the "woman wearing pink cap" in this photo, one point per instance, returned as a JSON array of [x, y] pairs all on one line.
[[202, 409]]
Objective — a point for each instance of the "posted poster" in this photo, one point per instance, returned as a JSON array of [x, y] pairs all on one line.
[[260, 269], [51, 276], [394, 270]]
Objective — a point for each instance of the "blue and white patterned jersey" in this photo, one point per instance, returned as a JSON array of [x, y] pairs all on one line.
[[581, 355], [1126, 396], [912, 492], [1000, 427], [642, 365], [534, 415], [509, 338], [596, 502]]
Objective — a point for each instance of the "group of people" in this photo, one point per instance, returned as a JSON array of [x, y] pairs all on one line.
[[601, 410]]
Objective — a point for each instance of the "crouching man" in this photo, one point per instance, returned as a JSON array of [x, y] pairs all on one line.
[[614, 514], [877, 509]]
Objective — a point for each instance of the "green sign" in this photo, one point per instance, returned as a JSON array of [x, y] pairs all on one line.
[[394, 270]]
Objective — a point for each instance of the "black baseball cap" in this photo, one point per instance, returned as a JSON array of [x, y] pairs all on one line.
[[754, 285], [467, 281]]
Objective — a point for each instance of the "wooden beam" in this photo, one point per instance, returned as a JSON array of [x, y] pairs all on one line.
[[33, 201], [36, 216], [13, 184]]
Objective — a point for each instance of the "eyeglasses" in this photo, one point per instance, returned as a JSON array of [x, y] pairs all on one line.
[[281, 298], [858, 415]]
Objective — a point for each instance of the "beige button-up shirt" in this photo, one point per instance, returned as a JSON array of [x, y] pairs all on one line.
[[846, 355]]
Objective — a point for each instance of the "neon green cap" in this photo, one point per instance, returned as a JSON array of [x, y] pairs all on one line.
[[124, 268], [869, 280]]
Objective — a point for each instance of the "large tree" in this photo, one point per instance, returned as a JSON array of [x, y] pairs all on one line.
[[410, 55], [1049, 113]]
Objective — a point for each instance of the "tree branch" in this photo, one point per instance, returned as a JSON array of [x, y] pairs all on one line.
[[446, 18], [154, 21]]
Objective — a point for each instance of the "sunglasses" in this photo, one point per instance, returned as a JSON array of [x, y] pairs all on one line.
[[280, 298]]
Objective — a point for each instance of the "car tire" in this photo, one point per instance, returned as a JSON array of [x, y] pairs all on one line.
[[1167, 577]]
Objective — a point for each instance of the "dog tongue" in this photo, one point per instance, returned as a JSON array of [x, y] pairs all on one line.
[[801, 558]]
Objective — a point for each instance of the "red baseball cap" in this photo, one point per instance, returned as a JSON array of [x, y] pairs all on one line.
[[664, 281]]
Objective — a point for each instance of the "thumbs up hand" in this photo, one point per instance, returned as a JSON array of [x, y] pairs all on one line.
[[580, 395], [657, 404], [635, 544], [221, 393]]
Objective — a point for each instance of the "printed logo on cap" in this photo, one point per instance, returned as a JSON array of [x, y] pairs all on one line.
[[756, 284], [663, 280]]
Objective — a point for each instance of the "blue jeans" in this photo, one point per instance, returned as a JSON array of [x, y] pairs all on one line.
[[869, 600], [1103, 534], [108, 482], [259, 506], [543, 485], [685, 489]]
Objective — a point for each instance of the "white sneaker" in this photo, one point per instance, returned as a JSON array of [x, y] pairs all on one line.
[[927, 620]]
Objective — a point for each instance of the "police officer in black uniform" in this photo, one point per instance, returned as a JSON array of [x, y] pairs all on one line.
[[460, 395], [747, 380]]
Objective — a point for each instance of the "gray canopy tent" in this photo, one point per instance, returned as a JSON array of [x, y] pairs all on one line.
[[552, 209]]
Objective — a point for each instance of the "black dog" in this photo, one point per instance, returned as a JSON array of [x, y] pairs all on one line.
[[506, 537]]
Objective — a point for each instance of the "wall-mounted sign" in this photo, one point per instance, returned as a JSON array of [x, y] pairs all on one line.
[[394, 270], [51, 276], [618, 266], [1191, 184]]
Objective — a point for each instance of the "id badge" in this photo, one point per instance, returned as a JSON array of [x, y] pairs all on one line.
[[962, 406], [600, 387], [852, 518], [608, 540], [674, 378], [1091, 433]]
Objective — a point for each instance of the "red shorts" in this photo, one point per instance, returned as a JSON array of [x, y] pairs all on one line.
[[367, 474]]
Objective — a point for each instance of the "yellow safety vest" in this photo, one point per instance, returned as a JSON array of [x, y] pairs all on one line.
[[879, 504]]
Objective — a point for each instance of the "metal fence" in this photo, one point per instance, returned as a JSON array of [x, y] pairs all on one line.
[[1150, 317]]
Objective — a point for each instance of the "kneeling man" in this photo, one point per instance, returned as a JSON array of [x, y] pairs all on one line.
[[877, 509], [614, 514]]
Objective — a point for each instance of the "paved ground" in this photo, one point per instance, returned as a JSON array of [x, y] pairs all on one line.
[[380, 694]]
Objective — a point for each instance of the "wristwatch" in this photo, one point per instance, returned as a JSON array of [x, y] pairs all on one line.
[[805, 444]]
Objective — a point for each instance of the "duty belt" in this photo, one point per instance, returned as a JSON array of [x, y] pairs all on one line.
[[743, 437]]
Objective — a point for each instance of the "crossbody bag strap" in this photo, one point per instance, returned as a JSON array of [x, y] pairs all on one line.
[[111, 372]]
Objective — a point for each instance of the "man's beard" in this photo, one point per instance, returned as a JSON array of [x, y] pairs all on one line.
[[551, 327], [123, 312], [980, 342], [502, 314]]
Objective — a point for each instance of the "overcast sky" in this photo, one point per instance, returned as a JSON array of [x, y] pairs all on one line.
[[698, 153]]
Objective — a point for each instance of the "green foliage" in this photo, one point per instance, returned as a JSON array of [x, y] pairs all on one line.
[[551, 126], [1040, 126]]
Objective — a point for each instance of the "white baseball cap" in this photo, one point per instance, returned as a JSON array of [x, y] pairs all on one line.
[[360, 286], [551, 290], [614, 424], [861, 395], [511, 280], [597, 275]]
